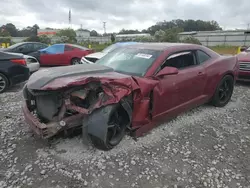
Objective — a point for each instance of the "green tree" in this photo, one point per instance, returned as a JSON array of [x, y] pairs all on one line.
[[32, 38], [93, 33], [4, 33], [131, 31], [191, 40], [34, 29], [112, 38], [169, 35], [45, 39], [68, 34], [11, 29]]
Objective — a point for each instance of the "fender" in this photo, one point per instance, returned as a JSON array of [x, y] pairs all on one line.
[[96, 124]]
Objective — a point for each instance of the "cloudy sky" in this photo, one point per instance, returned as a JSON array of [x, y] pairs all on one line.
[[128, 14]]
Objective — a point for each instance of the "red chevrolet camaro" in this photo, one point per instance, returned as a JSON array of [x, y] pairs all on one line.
[[133, 89], [244, 62], [62, 54]]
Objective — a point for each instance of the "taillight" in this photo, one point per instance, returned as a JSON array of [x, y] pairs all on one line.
[[19, 61]]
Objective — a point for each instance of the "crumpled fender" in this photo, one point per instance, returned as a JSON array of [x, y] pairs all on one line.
[[96, 124]]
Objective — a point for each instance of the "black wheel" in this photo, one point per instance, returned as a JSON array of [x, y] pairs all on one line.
[[75, 61], [3, 83], [223, 92], [117, 124]]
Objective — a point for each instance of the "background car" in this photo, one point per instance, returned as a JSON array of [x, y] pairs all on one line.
[[62, 54], [92, 58], [244, 65], [32, 62], [13, 70], [25, 47], [132, 88]]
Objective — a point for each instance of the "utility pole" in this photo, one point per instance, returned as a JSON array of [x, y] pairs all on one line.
[[70, 18], [104, 27], [248, 26], [81, 26]]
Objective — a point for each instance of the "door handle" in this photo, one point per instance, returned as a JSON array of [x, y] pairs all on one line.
[[200, 73]]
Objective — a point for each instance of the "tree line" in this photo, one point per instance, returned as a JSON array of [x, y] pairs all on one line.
[[184, 25], [10, 29]]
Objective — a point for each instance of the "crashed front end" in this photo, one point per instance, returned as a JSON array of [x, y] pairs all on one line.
[[49, 112]]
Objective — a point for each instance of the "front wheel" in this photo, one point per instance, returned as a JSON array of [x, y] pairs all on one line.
[[116, 128], [75, 61], [223, 92], [3, 83]]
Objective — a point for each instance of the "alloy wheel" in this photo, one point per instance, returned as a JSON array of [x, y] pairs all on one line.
[[3, 83]]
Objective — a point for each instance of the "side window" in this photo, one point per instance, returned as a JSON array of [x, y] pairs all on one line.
[[68, 48], [181, 60], [202, 56], [39, 46], [25, 48]]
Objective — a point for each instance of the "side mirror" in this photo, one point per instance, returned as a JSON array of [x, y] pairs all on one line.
[[167, 71]]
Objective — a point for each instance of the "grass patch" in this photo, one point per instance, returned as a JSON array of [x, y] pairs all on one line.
[[225, 49]]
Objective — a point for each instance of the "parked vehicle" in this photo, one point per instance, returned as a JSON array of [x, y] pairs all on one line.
[[244, 62], [13, 70], [25, 47], [92, 58], [133, 88], [62, 54], [32, 62]]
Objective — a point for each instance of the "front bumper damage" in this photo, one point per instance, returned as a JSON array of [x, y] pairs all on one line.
[[49, 130]]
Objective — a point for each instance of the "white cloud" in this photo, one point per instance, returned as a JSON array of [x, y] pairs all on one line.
[[128, 14]]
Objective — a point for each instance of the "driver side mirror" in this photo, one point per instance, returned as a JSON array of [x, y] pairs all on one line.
[[167, 71]]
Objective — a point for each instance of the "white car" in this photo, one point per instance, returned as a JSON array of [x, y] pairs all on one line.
[[92, 58], [32, 62]]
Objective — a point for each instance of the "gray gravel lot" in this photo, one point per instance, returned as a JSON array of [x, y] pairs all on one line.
[[206, 147]]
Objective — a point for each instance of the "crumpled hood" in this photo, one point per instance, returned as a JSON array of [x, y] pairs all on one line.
[[60, 77]]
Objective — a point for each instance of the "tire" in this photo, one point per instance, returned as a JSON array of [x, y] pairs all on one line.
[[4, 83], [117, 115], [223, 91], [75, 61]]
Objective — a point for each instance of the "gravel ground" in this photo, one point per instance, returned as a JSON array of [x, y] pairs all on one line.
[[206, 147]]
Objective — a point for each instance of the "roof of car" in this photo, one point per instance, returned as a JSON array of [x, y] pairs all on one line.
[[160, 46]]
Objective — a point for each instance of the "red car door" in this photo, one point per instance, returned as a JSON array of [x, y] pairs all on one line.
[[175, 93], [53, 55]]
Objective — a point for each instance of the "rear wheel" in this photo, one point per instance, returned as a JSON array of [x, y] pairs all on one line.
[[223, 92], [118, 121], [3, 83], [75, 61]]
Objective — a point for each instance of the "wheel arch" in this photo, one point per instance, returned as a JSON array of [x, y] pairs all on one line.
[[6, 76]]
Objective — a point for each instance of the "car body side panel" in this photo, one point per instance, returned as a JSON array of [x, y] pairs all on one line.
[[176, 88], [216, 69]]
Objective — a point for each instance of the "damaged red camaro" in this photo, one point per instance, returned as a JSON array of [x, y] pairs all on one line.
[[133, 89]]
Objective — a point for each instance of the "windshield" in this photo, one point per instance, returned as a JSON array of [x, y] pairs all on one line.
[[130, 61], [110, 48]]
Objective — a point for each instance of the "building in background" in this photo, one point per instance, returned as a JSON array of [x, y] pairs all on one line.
[[215, 38], [82, 33], [48, 32], [130, 37]]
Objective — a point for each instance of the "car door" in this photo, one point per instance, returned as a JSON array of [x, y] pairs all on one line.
[[175, 93], [25, 48], [52, 55]]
